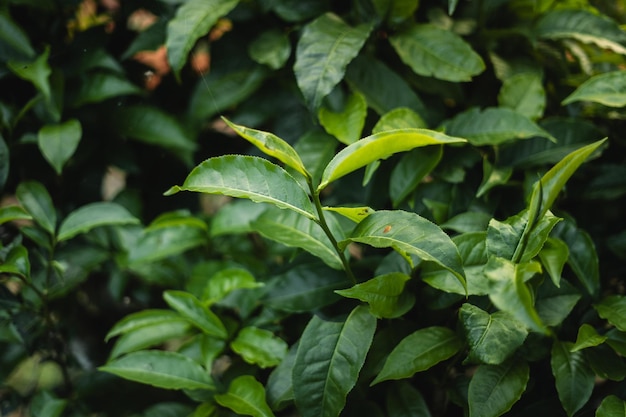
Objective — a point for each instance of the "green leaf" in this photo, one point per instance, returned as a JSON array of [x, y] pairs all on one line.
[[611, 406], [583, 26], [101, 86], [399, 118], [59, 142], [617, 341], [305, 287], [169, 370], [226, 281], [245, 396], [294, 230], [608, 89], [404, 401], [410, 170], [14, 42], [259, 347], [493, 126], [44, 404], [193, 19], [493, 176], [510, 293], [193, 310], [328, 362], [152, 334], [384, 294], [574, 377], [236, 218], [11, 213], [554, 255], [279, 384], [140, 319], [37, 72], [316, 148], [418, 352], [356, 214], [16, 262], [380, 146], [432, 51], [468, 222], [606, 363], [495, 388], [94, 215], [554, 304], [613, 309], [271, 145], [37, 202], [525, 94], [271, 48], [409, 234], [492, 338], [155, 127], [326, 47], [587, 337], [347, 124], [248, 177]]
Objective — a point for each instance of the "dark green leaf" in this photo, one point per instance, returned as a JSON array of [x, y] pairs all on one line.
[[151, 334], [279, 384], [328, 362], [245, 396], [436, 52], [405, 401], [226, 281], [193, 19], [606, 363], [101, 86], [37, 72], [259, 347], [611, 406], [236, 217], [248, 177], [471, 221], [574, 377], [299, 10], [16, 262], [326, 47], [410, 170], [140, 319], [525, 94], [193, 310], [493, 126], [613, 309], [492, 338], [553, 257], [14, 43], [493, 176], [45, 404], [37, 202], [271, 48], [555, 304], [169, 370], [316, 149], [59, 142], [617, 340], [347, 124], [418, 352], [93, 215], [4, 161], [495, 388]]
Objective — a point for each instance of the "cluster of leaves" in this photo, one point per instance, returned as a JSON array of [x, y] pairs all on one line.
[[429, 230]]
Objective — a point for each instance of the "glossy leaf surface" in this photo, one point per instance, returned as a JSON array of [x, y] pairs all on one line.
[[495, 388], [245, 396], [225, 281]]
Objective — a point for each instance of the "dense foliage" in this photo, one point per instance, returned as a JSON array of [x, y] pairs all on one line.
[[386, 208]]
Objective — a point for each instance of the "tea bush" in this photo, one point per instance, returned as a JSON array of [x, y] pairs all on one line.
[[386, 208]]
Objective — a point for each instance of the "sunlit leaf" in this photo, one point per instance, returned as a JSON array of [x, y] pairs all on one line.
[[227, 280], [94, 215], [495, 388], [356, 214], [245, 396], [574, 377], [259, 347], [399, 118]]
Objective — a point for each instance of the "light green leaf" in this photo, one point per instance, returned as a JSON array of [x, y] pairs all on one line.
[[101, 86], [380, 146], [608, 89], [14, 43], [611, 406], [248, 177], [356, 214], [399, 118], [152, 334], [11, 213], [37, 72], [169, 370], [328, 362], [587, 337], [495, 388], [226, 281], [271, 145], [193, 19], [326, 47], [493, 126], [236, 217], [525, 94], [37, 202], [294, 230], [44, 404], [259, 347], [613, 309], [384, 294], [193, 310], [245, 396], [59, 142], [155, 127], [409, 234], [94, 215], [347, 124], [432, 51], [574, 377], [410, 170], [510, 293], [405, 401], [140, 319], [554, 255], [418, 352], [492, 338], [271, 48], [583, 26]]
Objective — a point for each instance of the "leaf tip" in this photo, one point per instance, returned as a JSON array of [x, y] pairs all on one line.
[[173, 190]]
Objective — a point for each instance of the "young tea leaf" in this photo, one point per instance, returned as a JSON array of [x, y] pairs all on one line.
[[587, 337], [356, 214], [245, 396]]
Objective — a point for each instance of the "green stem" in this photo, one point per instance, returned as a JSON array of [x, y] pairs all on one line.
[[324, 225]]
